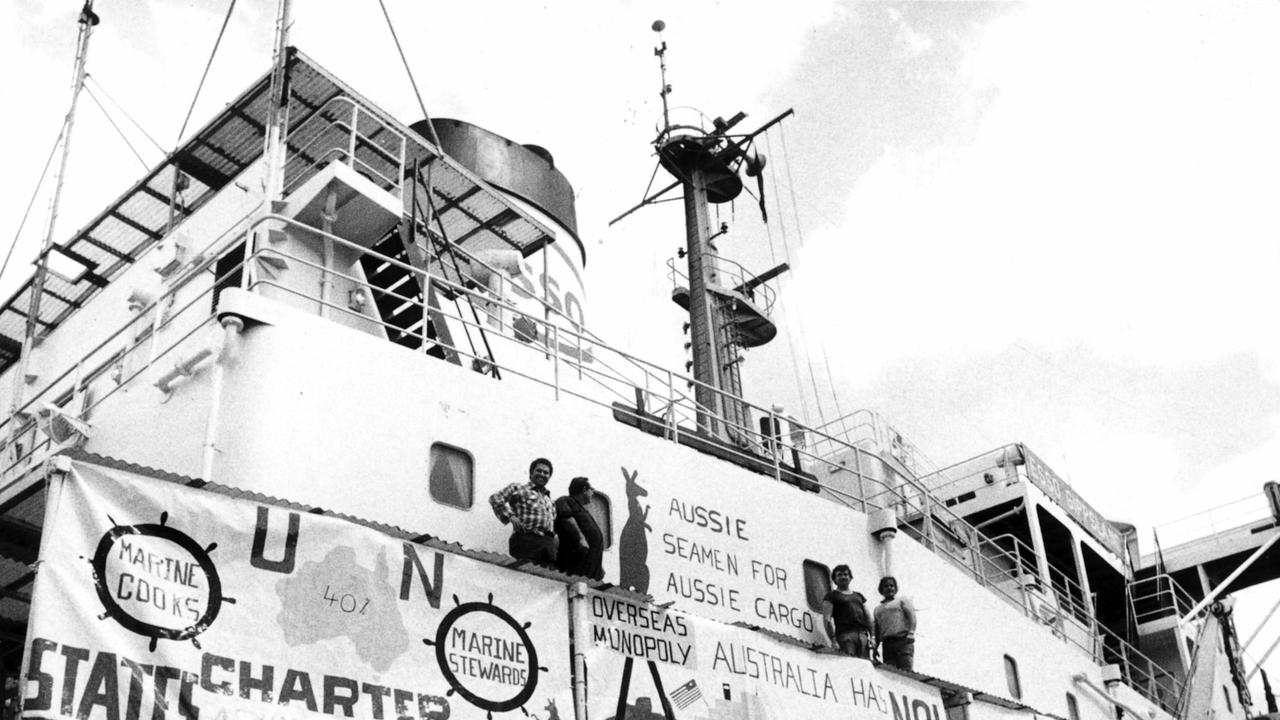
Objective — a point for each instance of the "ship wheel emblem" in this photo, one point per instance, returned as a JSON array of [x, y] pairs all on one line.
[[486, 656], [157, 581]]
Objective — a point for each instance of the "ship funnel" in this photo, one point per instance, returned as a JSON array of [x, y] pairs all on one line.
[[527, 172]]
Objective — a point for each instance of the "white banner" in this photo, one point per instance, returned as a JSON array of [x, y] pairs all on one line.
[[154, 600], [710, 670], [639, 630]]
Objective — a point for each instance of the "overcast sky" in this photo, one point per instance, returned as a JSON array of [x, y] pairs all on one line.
[[1047, 222]]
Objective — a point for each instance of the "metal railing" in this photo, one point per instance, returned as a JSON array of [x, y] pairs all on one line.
[[869, 430], [681, 121], [736, 275], [342, 130], [1060, 604], [951, 480], [1157, 597], [138, 336], [1215, 520]]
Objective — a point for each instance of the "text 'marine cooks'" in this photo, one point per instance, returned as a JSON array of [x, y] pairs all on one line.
[[150, 581], [161, 567]]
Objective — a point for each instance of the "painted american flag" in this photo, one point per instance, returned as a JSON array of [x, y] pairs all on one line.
[[686, 695]]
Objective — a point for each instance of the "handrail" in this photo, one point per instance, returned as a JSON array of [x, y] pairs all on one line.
[[697, 121], [1213, 521], [1063, 589], [735, 272], [354, 141], [551, 309], [1082, 679], [140, 317], [338, 153], [884, 438], [1170, 595]]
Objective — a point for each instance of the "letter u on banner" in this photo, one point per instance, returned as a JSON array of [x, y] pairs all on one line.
[[256, 558]]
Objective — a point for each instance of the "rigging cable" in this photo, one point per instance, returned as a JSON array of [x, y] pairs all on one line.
[[123, 112], [791, 346], [200, 86], [119, 132], [34, 194], [118, 106], [795, 212], [475, 315], [178, 185], [421, 106], [786, 254]]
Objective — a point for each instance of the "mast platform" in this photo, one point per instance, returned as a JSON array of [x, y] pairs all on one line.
[[752, 323]]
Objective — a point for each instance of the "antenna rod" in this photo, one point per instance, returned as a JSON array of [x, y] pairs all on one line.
[[88, 20], [278, 107], [661, 52], [652, 198]]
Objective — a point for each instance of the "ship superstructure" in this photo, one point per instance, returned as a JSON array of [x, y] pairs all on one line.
[[392, 336]]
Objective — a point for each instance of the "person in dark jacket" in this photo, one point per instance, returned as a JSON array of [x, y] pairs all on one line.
[[581, 548]]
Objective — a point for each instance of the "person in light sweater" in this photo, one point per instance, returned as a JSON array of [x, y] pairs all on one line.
[[895, 626]]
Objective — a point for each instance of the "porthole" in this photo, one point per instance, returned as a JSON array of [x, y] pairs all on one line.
[[451, 476]]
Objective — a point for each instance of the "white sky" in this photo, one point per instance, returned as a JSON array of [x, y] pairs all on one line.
[[1050, 222]]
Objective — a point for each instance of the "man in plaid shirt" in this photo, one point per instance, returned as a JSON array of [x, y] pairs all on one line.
[[532, 514]]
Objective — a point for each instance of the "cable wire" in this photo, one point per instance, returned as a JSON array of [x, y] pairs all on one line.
[[118, 106], [34, 194], [421, 106], [791, 345], [799, 322], [791, 184], [795, 213], [119, 132], [200, 86]]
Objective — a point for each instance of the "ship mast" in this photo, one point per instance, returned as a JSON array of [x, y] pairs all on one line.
[[724, 315], [88, 20], [278, 108]]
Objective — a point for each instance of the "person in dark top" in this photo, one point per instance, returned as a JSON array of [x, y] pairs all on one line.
[[845, 611], [581, 541]]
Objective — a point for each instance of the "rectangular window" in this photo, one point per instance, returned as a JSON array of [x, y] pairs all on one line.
[[817, 583], [1011, 677], [1073, 708], [451, 476]]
